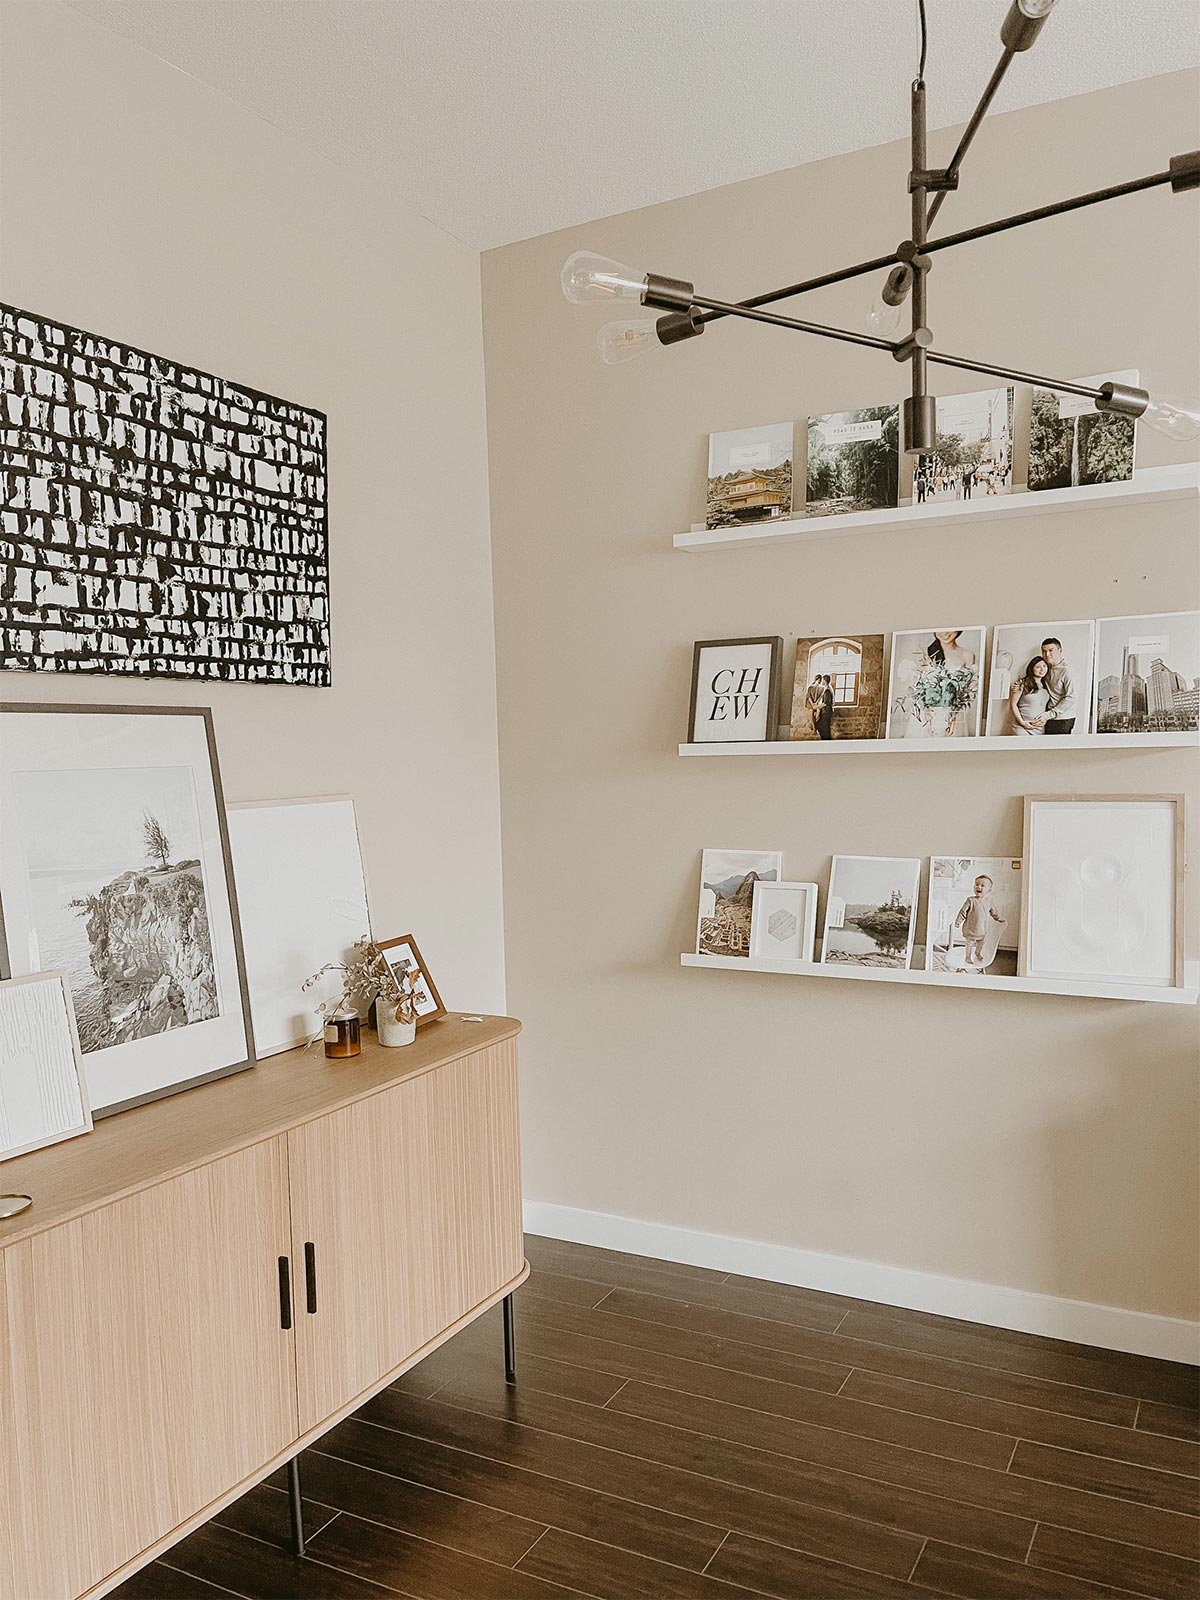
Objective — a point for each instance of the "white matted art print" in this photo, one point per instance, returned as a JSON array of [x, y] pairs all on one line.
[[115, 868], [1040, 684], [302, 898], [43, 1098], [935, 683], [871, 911], [973, 915], [783, 922], [1103, 888], [1148, 673], [727, 880]]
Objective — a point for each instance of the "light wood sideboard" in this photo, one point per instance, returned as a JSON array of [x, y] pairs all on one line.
[[206, 1284]]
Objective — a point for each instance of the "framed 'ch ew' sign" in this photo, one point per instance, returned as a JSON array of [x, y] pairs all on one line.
[[735, 690]]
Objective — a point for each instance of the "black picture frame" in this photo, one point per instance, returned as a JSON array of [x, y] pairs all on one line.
[[773, 688]]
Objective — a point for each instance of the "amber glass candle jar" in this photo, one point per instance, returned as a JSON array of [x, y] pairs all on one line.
[[343, 1037]]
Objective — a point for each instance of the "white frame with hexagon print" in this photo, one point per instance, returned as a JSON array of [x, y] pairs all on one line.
[[798, 898]]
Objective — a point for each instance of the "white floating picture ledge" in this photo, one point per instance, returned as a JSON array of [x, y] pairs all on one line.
[[1006, 744], [1175, 482], [1091, 988]]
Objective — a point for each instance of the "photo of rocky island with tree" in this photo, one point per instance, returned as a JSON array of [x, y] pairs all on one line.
[[118, 898], [870, 911], [727, 879]]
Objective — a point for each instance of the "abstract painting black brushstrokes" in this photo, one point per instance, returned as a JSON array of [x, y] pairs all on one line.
[[155, 519]]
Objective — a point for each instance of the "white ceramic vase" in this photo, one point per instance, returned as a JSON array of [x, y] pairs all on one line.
[[390, 1031]]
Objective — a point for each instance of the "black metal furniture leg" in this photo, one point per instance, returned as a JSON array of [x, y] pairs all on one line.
[[510, 1340], [295, 1506]]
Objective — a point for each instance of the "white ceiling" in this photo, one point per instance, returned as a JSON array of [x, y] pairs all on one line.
[[501, 119]]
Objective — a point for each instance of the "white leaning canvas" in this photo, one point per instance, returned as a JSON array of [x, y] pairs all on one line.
[[303, 901], [43, 1097]]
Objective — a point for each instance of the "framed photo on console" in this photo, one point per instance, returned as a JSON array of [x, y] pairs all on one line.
[[735, 690], [1103, 889], [115, 868], [403, 956]]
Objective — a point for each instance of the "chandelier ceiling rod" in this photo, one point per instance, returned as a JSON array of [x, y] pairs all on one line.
[[589, 277]]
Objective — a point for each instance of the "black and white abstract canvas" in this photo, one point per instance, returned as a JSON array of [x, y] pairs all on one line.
[[155, 519]]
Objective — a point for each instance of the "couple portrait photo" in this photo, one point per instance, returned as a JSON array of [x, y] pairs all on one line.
[[1041, 682], [837, 692]]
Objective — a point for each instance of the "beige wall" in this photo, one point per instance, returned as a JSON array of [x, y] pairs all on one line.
[[1034, 1142], [140, 204]]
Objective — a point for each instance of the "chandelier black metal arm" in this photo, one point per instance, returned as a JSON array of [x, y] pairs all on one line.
[[1183, 173], [900, 350], [590, 277]]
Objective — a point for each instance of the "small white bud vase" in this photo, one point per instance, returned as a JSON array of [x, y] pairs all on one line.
[[390, 1031]]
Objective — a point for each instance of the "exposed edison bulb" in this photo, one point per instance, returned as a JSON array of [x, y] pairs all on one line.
[[882, 319], [1177, 419], [1034, 9], [587, 277], [621, 341]]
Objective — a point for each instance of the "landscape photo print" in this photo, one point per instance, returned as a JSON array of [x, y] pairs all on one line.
[[870, 911], [115, 867], [727, 879], [118, 897]]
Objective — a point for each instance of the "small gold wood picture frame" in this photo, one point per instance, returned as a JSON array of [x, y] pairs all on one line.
[[402, 955]]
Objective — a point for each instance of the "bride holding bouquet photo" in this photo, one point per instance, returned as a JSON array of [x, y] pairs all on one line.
[[934, 684]]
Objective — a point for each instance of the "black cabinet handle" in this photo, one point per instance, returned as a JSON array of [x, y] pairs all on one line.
[[285, 1292], [310, 1277]]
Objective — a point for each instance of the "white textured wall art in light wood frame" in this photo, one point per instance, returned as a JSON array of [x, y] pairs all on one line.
[[1103, 892]]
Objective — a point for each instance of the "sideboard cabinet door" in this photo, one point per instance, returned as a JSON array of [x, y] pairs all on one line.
[[143, 1369], [408, 1204]]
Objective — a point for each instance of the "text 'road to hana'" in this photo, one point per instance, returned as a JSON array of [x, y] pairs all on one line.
[[155, 519]]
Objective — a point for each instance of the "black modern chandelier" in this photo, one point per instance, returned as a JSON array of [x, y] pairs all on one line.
[[587, 277]]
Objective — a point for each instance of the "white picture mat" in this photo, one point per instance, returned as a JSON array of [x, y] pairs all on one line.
[[1022, 641], [726, 664], [43, 1097], [65, 742], [905, 874], [745, 449], [1100, 881], [395, 956], [798, 898], [902, 649], [302, 899]]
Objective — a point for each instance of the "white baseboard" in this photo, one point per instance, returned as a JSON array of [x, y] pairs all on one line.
[[1112, 1327]]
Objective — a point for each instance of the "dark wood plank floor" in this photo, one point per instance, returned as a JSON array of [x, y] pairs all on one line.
[[677, 1434]]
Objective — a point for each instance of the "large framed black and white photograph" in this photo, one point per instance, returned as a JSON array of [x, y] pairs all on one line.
[[115, 868], [735, 690], [155, 519]]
